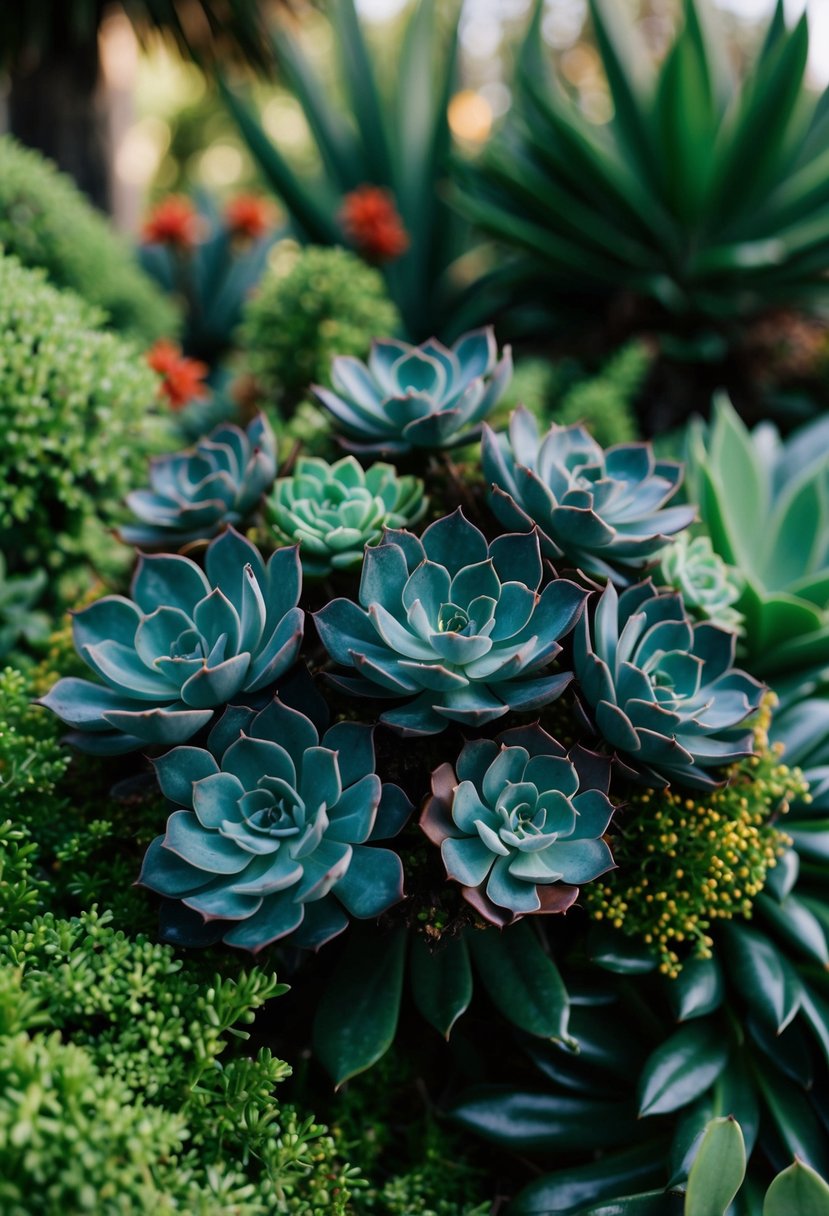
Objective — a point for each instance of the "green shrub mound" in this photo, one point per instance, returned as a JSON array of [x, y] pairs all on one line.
[[75, 419], [310, 306], [46, 222]]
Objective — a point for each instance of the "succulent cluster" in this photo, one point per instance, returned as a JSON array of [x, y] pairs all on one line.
[[710, 588], [417, 397]]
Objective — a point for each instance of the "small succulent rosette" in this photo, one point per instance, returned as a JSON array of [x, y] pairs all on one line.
[[195, 493], [461, 628], [604, 511], [275, 838], [188, 642], [520, 823], [423, 397], [710, 588], [335, 510], [662, 690]]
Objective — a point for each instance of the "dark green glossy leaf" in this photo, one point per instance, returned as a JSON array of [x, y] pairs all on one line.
[[697, 990], [652, 1203], [522, 981], [797, 925], [617, 953], [794, 1119], [613, 1174], [521, 1119], [441, 981], [682, 1068], [768, 985]]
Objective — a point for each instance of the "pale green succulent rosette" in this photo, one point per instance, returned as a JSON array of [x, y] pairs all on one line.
[[195, 493], [460, 628], [335, 510], [709, 586], [275, 838], [602, 510], [520, 823], [423, 397], [662, 690], [187, 643]]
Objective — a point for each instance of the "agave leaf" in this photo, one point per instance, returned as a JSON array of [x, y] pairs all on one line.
[[627, 67], [718, 1170], [361, 85], [682, 1068]]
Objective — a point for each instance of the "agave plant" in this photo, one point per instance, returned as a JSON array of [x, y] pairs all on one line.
[[18, 619], [417, 397], [705, 196], [602, 510], [188, 642], [335, 510], [195, 493], [519, 822], [740, 478], [273, 838], [455, 623], [662, 690], [709, 586]]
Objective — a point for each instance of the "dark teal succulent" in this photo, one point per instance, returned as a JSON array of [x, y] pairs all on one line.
[[335, 510], [423, 397], [519, 822], [602, 510], [188, 642], [457, 624], [275, 838], [661, 690], [195, 493]]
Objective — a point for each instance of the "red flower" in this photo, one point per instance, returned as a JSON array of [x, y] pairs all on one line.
[[183, 378], [372, 224], [250, 216], [173, 221]]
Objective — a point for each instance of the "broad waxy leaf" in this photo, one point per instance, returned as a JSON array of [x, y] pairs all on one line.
[[682, 1068], [522, 981], [797, 1191], [441, 982], [718, 1169]]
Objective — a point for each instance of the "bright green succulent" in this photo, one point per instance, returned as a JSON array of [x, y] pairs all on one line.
[[195, 493], [187, 642], [417, 397], [704, 197], [18, 619], [335, 510], [709, 586], [661, 690], [519, 822], [275, 836], [603, 511], [765, 505], [458, 626]]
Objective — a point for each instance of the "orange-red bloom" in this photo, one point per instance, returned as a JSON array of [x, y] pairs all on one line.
[[372, 224], [173, 221], [249, 215], [183, 378]]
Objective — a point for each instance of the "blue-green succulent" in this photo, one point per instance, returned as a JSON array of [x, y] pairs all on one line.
[[520, 823], [188, 642], [335, 510], [422, 397], [709, 587], [602, 510], [662, 690], [458, 626], [276, 835], [194, 494]]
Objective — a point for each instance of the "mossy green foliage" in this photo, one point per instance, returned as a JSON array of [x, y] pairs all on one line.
[[46, 222], [686, 860], [311, 305], [76, 420]]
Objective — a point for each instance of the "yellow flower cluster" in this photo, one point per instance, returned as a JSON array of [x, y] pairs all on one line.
[[687, 859]]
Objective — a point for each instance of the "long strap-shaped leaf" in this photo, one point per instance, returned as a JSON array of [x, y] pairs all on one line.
[[361, 85], [627, 67]]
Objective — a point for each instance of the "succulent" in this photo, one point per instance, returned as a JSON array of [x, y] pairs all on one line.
[[18, 595], [458, 624], [604, 511], [520, 822], [335, 510], [185, 644], [417, 397], [662, 690], [273, 840], [708, 585], [765, 505], [195, 493]]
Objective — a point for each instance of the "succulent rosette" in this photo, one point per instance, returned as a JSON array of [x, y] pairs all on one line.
[[662, 690], [520, 823], [458, 626], [335, 510], [603, 510], [275, 835], [417, 397], [195, 493], [188, 642], [709, 586]]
